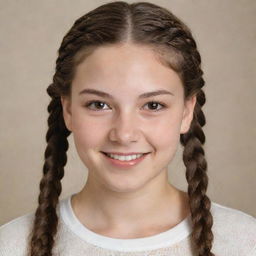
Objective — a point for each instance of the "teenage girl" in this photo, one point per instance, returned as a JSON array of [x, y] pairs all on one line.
[[128, 86]]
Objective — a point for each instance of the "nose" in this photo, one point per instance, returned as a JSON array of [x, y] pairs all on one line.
[[124, 129]]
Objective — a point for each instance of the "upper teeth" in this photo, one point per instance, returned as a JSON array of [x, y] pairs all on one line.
[[125, 158]]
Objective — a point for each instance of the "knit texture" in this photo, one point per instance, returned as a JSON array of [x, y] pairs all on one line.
[[234, 235]]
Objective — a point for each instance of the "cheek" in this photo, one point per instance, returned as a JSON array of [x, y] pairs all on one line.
[[88, 137], [167, 131], [87, 132], [165, 139]]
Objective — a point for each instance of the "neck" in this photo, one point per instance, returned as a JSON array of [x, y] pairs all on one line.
[[104, 211]]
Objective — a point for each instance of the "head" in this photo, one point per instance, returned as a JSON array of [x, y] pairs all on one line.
[[125, 121], [126, 50]]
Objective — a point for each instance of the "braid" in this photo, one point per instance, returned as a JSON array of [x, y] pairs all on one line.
[[46, 220], [196, 166]]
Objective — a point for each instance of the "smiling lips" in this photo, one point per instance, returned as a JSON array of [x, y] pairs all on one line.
[[125, 159], [124, 154]]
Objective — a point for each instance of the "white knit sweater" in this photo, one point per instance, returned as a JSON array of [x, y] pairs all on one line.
[[234, 235]]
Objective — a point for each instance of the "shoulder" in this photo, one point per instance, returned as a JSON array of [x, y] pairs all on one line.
[[14, 235], [226, 217], [233, 230]]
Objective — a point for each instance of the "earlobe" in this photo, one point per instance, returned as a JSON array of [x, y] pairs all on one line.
[[66, 108], [188, 114]]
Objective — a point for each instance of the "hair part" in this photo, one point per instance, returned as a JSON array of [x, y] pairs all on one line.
[[140, 23]]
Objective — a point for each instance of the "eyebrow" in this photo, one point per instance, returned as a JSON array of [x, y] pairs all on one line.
[[142, 96]]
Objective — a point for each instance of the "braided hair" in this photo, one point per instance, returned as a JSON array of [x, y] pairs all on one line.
[[112, 23]]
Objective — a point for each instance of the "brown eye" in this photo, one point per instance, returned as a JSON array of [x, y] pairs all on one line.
[[98, 105], [154, 105]]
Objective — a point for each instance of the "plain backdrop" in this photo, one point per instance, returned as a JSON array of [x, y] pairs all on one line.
[[31, 33]]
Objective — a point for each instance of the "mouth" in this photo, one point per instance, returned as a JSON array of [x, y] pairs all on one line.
[[118, 155], [124, 154], [124, 159]]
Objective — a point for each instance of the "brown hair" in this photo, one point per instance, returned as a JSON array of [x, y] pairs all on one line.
[[116, 23]]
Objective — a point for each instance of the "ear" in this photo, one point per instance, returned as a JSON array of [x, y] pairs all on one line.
[[188, 114], [67, 115]]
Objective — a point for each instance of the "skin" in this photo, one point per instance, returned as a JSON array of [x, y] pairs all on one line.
[[139, 201]]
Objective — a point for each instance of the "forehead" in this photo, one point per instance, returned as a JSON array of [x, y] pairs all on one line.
[[124, 65]]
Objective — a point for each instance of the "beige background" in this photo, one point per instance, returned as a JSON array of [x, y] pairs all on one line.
[[31, 32]]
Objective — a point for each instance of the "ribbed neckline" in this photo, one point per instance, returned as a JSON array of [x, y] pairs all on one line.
[[161, 240]]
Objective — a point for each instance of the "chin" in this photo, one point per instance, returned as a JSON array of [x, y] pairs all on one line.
[[122, 185]]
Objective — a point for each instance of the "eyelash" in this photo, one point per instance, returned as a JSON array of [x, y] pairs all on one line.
[[88, 104]]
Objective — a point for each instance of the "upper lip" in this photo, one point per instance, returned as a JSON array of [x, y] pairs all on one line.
[[125, 154]]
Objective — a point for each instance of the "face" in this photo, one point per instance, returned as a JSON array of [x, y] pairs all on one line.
[[112, 109]]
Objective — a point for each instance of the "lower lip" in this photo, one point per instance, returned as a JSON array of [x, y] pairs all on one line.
[[125, 164]]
